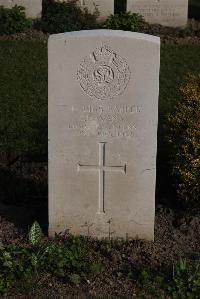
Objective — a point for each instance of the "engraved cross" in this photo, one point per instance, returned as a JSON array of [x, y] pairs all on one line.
[[102, 169]]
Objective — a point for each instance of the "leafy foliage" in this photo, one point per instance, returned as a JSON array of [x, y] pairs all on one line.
[[65, 256], [125, 21], [13, 20], [184, 137], [182, 281], [150, 279], [35, 234], [14, 264], [186, 280], [66, 16]]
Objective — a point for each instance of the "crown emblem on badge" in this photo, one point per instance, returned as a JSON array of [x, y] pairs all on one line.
[[103, 54], [103, 74]]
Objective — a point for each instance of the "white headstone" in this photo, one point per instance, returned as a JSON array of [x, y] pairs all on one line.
[[173, 13], [103, 110], [33, 8]]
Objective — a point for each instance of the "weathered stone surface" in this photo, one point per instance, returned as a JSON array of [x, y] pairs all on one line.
[[33, 8], [173, 13], [103, 107]]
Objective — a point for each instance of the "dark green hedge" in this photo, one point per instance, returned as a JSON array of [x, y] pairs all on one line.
[[13, 20]]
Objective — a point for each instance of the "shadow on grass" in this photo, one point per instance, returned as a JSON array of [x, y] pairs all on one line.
[[23, 199]]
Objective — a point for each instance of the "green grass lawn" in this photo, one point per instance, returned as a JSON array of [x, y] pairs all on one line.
[[23, 85], [23, 96], [177, 61]]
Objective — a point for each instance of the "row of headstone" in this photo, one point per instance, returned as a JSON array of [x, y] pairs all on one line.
[[172, 13], [103, 133]]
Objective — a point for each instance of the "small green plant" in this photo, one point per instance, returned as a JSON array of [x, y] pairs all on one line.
[[149, 279], [66, 16], [184, 139], [14, 265], [35, 234], [67, 257], [125, 21], [13, 20]]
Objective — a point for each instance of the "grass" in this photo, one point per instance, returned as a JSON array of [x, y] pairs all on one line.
[[176, 62], [23, 97]]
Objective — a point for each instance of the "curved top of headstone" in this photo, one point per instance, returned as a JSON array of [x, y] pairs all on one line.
[[106, 33]]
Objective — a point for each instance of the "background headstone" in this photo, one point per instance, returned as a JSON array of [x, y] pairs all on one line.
[[103, 109], [173, 13], [33, 8]]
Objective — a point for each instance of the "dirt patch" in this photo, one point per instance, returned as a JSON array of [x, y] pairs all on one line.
[[28, 35], [176, 234]]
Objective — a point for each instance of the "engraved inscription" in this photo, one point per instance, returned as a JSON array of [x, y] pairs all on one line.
[[110, 121], [104, 74], [102, 169], [157, 10]]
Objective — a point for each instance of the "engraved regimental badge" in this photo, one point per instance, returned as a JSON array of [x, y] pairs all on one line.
[[104, 74]]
